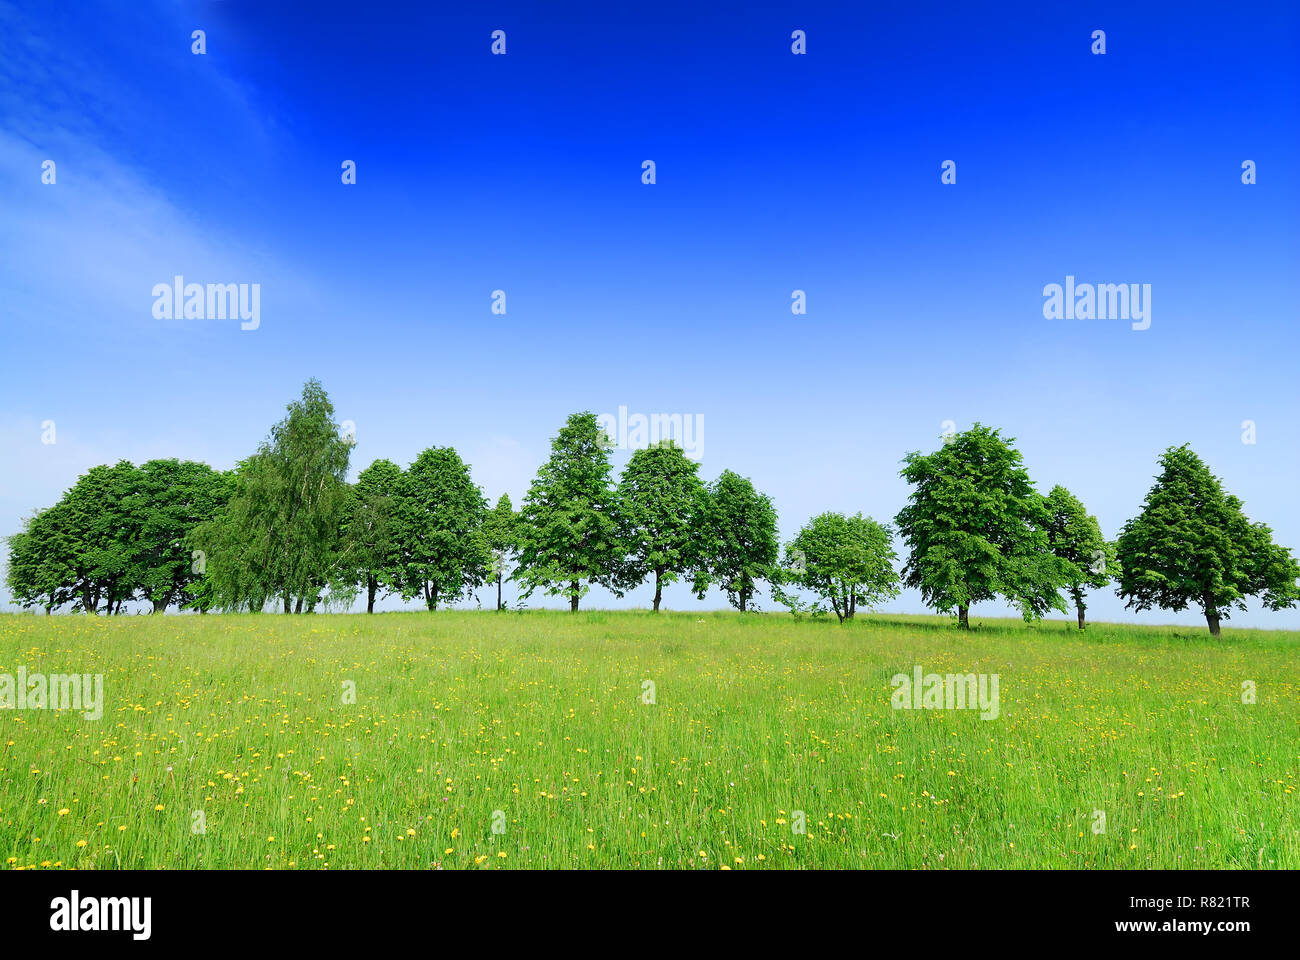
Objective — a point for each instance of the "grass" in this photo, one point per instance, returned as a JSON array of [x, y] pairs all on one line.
[[539, 715]]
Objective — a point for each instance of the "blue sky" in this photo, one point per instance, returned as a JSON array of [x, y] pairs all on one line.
[[775, 172]]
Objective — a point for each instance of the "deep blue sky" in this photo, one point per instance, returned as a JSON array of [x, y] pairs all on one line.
[[775, 172]]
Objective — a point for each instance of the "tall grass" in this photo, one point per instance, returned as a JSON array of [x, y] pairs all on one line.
[[238, 725]]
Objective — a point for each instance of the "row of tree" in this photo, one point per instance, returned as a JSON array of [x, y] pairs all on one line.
[[285, 529]]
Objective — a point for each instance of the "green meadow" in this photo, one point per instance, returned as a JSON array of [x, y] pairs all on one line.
[[481, 740]]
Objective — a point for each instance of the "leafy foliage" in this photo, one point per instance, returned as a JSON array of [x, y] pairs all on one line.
[[660, 505], [844, 561], [280, 536], [1075, 537], [738, 545], [568, 533], [1192, 544], [370, 532], [440, 513], [501, 530], [975, 528]]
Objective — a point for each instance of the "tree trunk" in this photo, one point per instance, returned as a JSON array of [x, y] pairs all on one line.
[[573, 597], [297, 607], [659, 588], [853, 604], [1080, 609], [286, 602], [159, 606], [371, 586], [963, 618], [1211, 613], [499, 604]]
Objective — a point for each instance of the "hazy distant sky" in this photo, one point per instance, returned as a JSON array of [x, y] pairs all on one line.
[[775, 172]]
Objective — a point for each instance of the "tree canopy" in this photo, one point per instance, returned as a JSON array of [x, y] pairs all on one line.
[[975, 528], [846, 562], [1075, 537], [440, 540], [1192, 545], [280, 535], [660, 505], [738, 544], [569, 538]]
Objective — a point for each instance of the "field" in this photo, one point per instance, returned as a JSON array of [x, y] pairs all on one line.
[[482, 740]]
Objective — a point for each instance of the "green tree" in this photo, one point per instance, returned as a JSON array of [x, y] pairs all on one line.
[[737, 540], [172, 498], [1192, 544], [660, 505], [280, 534], [99, 530], [501, 532], [370, 531], [975, 528], [440, 537], [242, 547], [846, 561], [39, 571], [1074, 535], [568, 535]]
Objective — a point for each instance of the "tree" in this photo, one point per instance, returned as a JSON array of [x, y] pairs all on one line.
[[119, 532], [279, 536], [1074, 536], [1192, 544], [242, 547], [370, 531], [568, 536], [847, 561], [500, 531], [39, 570], [738, 545], [440, 539], [172, 498], [660, 504], [98, 527], [975, 528]]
